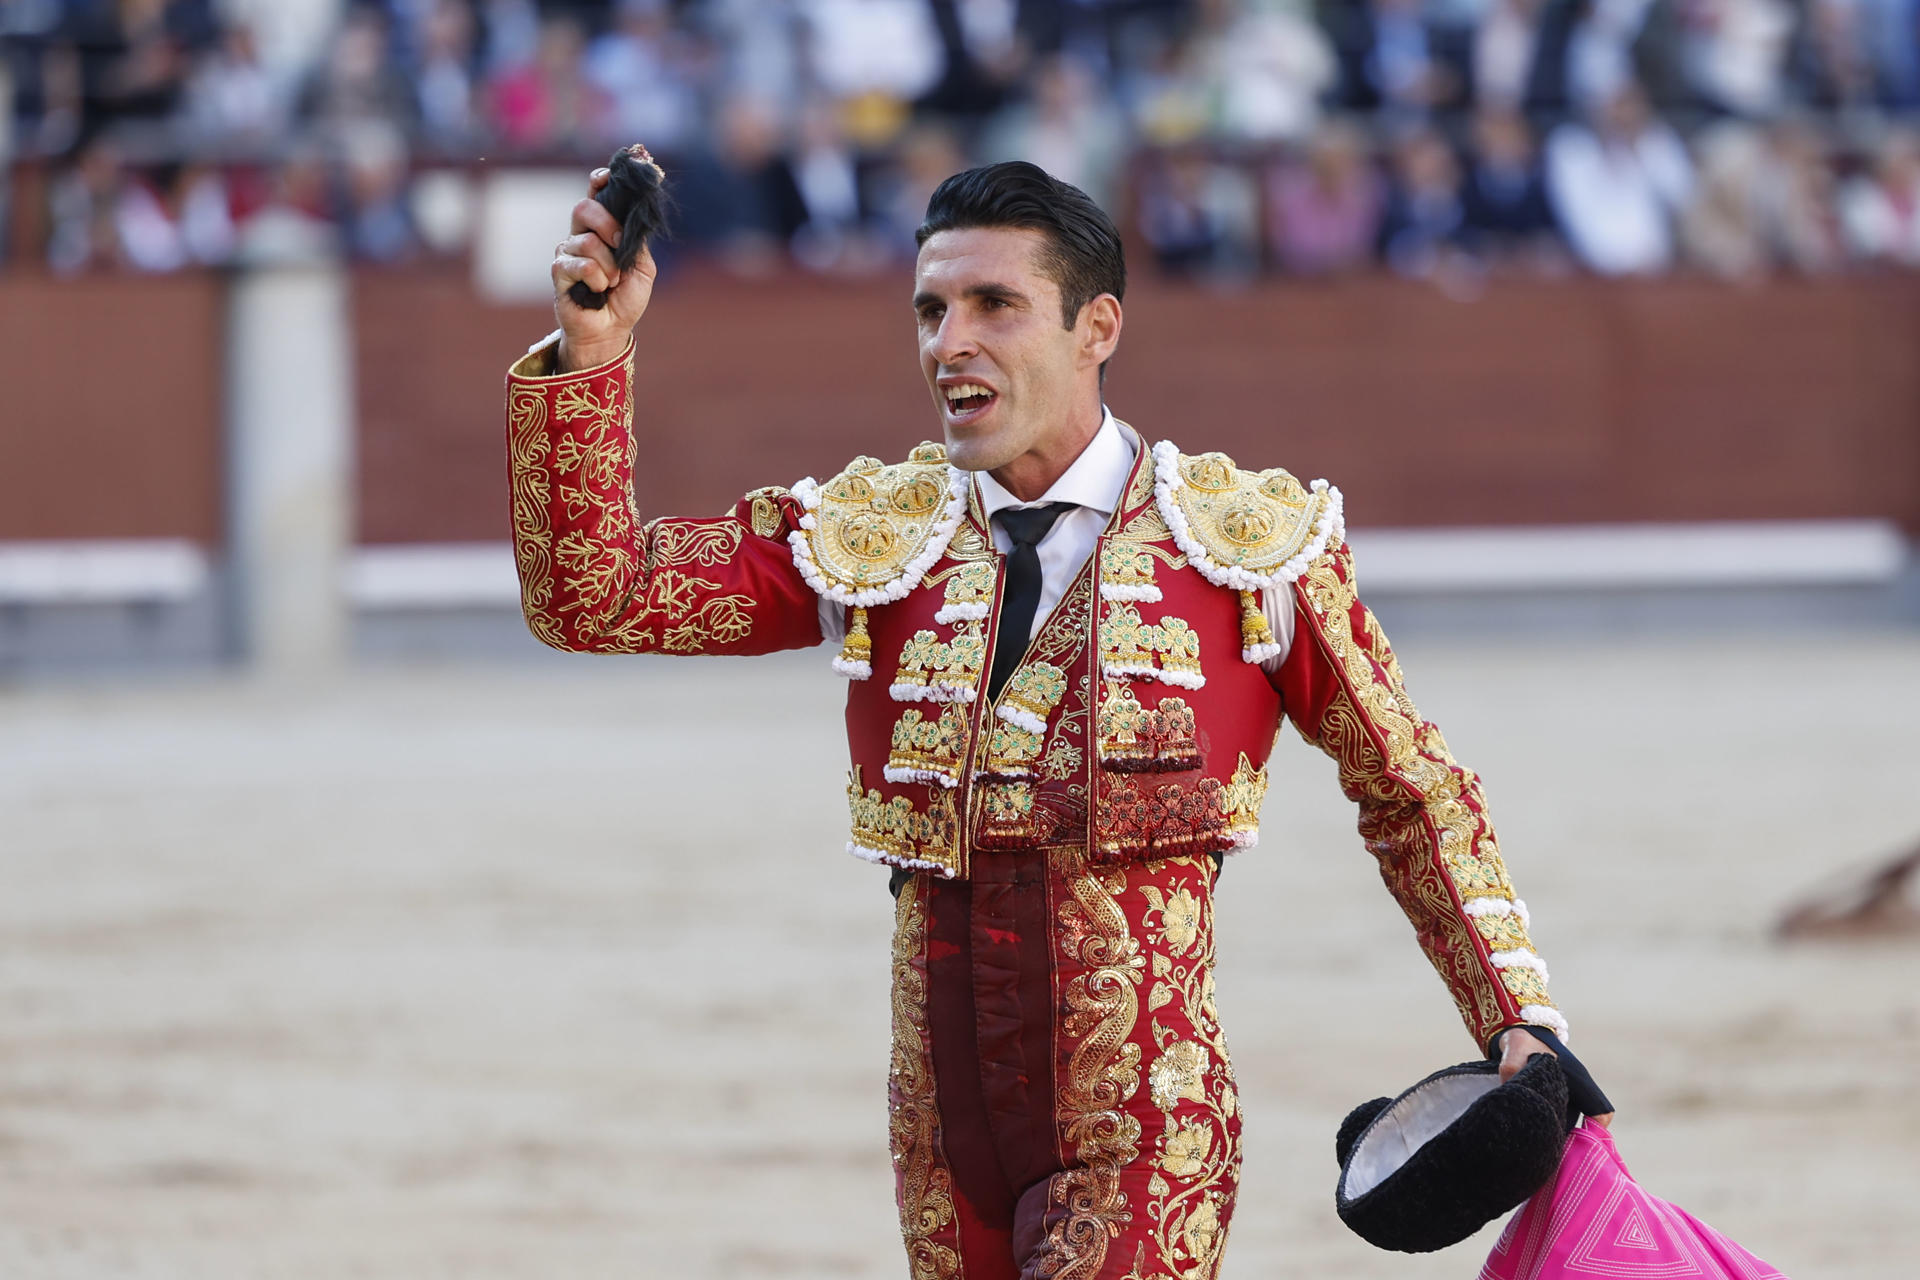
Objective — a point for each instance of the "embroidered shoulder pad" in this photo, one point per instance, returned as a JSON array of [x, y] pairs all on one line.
[[1243, 529], [870, 533]]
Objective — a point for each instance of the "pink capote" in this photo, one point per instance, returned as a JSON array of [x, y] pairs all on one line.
[[1594, 1220]]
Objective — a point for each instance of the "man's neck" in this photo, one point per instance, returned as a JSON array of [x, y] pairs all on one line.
[[1029, 476]]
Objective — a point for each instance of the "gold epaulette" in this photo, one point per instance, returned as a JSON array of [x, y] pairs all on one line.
[[1247, 530], [872, 531]]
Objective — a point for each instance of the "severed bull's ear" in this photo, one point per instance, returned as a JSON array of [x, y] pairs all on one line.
[[636, 194]]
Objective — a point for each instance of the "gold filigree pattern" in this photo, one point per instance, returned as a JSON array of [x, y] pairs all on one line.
[[1422, 815], [1136, 739], [1168, 650], [935, 670], [923, 1185], [1256, 522], [1197, 1154], [873, 522], [928, 750], [926, 838], [1088, 1205]]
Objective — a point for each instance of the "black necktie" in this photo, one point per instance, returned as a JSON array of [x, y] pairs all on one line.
[[1021, 600]]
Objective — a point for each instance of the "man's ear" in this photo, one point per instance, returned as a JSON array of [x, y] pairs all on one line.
[[1100, 322]]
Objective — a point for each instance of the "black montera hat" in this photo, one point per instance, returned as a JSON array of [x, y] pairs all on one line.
[[1429, 1168]]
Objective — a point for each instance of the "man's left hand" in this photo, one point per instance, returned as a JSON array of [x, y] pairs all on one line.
[[1517, 1044]]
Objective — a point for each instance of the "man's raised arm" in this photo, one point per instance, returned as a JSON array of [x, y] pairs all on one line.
[[592, 577]]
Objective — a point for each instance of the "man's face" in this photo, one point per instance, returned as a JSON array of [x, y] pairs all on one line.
[[989, 322]]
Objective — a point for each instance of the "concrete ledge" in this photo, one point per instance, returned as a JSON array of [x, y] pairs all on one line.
[[1641, 556], [106, 571]]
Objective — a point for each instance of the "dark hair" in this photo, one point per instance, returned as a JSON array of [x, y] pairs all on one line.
[[1082, 254]]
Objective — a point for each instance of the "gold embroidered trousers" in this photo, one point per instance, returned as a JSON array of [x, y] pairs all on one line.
[[1061, 1103]]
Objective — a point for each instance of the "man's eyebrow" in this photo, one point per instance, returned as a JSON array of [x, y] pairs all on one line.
[[990, 289]]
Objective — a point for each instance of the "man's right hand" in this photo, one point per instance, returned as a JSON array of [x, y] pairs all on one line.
[[589, 338]]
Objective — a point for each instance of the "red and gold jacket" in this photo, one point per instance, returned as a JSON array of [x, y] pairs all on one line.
[[1138, 723]]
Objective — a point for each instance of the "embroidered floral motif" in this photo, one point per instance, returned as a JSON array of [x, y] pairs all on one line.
[[1239, 529], [1032, 692], [1197, 1153], [923, 1185], [1137, 739], [928, 750], [1126, 572], [933, 670], [1168, 651], [1245, 792], [894, 832], [969, 593], [1421, 814], [1165, 820], [1088, 1208]]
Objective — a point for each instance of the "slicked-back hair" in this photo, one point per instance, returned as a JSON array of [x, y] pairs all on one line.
[[1082, 254]]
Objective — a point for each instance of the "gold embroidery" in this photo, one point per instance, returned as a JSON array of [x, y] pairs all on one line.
[[1168, 650], [1246, 792], [1421, 814], [873, 520], [1135, 739], [528, 446], [1013, 751], [1197, 1157], [722, 620], [926, 750], [969, 592], [1103, 1071], [1126, 571], [1032, 692], [925, 1186], [897, 832], [941, 671], [1256, 522], [765, 511]]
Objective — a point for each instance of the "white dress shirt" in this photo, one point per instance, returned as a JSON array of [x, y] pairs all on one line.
[[1094, 484]]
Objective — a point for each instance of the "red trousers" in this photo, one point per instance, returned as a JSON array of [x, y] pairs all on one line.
[[1061, 1103]]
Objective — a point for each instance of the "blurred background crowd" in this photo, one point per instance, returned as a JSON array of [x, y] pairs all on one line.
[[1431, 138]]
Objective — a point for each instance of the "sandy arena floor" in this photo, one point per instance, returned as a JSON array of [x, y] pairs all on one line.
[[558, 971]]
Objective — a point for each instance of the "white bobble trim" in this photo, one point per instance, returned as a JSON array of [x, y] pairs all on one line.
[[808, 494], [1330, 529]]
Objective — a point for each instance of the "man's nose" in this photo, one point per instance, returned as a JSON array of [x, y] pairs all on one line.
[[952, 341]]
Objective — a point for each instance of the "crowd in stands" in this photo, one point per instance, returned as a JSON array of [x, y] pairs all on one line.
[[1440, 139]]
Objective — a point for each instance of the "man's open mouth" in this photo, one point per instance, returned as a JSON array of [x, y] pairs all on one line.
[[966, 399]]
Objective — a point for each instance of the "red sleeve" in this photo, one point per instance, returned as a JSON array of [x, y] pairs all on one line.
[[1422, 815], [593, 579]]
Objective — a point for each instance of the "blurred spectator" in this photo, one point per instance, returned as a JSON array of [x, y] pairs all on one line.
[[84, 207], [1882, 210], [826, 178], [642, 68], [1505, 205], [1799, 212], [740, 201], [1835, 64], [1255, 70], [231, 98], [296, 225], [545, 101], [1424, 223], [1600, 51], [1201, 217], [1618, 185], [1391, 59], [379, 226], [1734, 53], [359, 82], [926, 156], [1518, 56], [1324, 215], [175, 217], [444, 89], [1065, 127], [886, 47], [1722, 227]]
